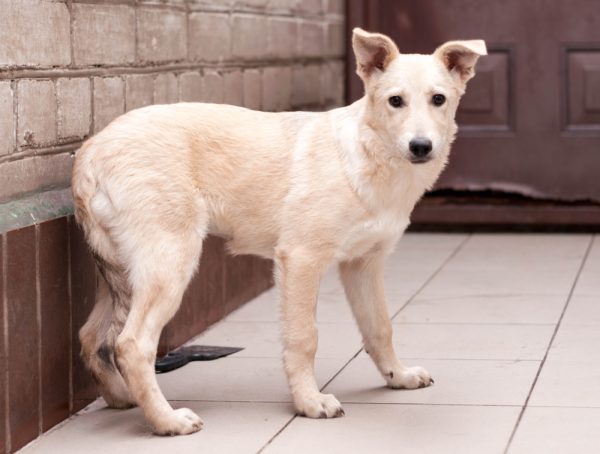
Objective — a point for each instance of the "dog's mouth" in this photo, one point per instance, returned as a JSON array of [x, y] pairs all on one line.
[[420, 160]]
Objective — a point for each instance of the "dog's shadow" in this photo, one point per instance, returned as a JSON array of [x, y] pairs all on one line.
[[129, 422], [372, 394]]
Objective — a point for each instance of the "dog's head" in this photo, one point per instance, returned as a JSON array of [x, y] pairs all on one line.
[[412, 99]]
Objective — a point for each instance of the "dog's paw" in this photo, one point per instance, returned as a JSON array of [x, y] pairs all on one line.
[[409, 378], [320, 406], [182, 421]]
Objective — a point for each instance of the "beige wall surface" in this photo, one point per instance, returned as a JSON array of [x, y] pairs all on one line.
[[67, 68]]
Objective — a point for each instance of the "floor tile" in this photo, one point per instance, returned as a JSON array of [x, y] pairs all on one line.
[[332, 305], [330, 283], [583, 310], [563, 245], [383, 428], [406, 271], [558, 430], [408, 268], [336, 340], [478, 279], [466, 341], [337, 309], [431, 240], [238, 379], [264, 308], [417, 257], [534, 309], [568, 384], [403, 280], [511, 265], [576, 343], [466, 382], [481, 324], [229, 428]]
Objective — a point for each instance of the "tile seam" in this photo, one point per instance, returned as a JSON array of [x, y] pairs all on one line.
[[552, 338]]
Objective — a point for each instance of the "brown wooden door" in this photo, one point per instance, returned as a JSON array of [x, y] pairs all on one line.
[[530, 121]]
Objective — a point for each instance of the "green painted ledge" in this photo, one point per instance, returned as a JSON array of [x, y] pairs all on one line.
[[35, 208]]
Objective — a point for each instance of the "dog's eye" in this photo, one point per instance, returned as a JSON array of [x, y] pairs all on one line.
[[396, 101], [438, 100]]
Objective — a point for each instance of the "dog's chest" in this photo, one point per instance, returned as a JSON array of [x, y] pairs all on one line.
[[380, 231]]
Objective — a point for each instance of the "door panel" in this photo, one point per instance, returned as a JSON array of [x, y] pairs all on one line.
[[487, 105], [530, 121], [583, 90]]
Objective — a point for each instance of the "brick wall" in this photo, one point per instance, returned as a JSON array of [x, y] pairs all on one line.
[[67, 68]]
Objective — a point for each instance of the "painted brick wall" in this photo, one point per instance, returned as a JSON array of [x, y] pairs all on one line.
[[67, 68]]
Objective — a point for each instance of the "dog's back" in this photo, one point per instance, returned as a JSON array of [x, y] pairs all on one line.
[[161, 156]]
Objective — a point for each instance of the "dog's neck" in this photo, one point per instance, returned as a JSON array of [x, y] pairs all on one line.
[[381, 179]]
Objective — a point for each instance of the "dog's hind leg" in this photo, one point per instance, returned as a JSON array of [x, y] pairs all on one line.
[[161, 266], [363, 283], [98, 337]]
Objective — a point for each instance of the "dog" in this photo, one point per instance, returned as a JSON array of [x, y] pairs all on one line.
[[306, 189]]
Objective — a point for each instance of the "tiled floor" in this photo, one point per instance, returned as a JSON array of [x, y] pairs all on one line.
[[509, 326]]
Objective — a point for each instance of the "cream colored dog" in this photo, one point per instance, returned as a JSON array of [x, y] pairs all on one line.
[[306, 189]]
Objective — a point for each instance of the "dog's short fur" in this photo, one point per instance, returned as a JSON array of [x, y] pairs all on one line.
[[306, 189]]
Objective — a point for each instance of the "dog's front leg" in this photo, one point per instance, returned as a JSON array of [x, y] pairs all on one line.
[[298, 274], [363, 283]]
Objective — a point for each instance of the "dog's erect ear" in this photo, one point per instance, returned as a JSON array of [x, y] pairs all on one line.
[[373, 52], [460, 57]]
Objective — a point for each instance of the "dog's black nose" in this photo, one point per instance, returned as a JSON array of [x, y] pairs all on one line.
[[420, 147]]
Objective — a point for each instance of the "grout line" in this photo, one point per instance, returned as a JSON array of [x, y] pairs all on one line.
[[402, 323], [430, 278], [295, 416], [277, 434], [501, 360], [341, 370], [435, 273], [537, 375], [416, 404], [588, 407], [26, 153], [160, 67], [476, 323], [352, 322], [282, 12], [321, 390], [428, 404], [235, 401], [423, 358]]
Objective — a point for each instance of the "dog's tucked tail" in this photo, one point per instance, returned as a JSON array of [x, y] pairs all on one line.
[[99, 334]]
